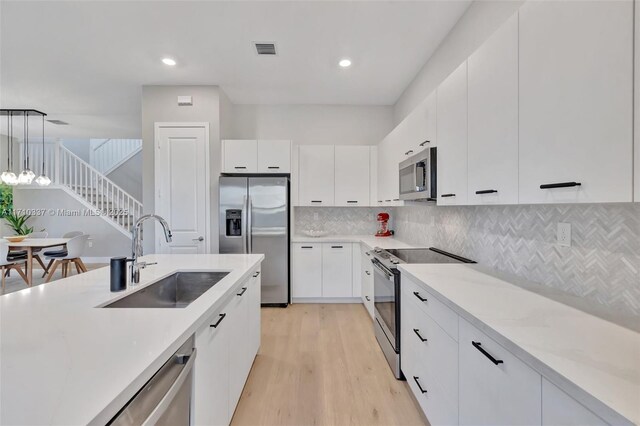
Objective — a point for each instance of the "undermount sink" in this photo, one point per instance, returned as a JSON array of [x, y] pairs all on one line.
[[175, 291]]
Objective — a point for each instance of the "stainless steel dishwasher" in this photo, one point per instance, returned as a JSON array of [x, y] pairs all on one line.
[[166, 398]]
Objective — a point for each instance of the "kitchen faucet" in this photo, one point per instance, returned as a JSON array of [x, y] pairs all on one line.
[[137, 244]]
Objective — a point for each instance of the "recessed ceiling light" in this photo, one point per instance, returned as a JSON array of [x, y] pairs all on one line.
[[344, 63], [168, 61]]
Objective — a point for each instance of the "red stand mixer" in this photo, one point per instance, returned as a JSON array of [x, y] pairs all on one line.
[[383, 230]]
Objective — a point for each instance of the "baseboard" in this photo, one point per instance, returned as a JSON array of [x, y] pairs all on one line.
[[326, 300]]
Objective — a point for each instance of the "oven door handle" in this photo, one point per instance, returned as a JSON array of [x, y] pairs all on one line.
[[383, 269]]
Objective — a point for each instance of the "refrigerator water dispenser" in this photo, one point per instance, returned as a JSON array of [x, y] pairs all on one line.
[[234, 223]]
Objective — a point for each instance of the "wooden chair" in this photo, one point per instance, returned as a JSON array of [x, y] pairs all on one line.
[[8, 263], [75, 248]]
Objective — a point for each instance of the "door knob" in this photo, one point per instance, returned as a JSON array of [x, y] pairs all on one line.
[[198, 239]]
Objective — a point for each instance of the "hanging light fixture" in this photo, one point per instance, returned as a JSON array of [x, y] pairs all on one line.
[[8, 177], [43, 179], [26, 176]]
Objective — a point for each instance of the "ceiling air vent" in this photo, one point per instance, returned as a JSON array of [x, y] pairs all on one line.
[[58, 122], [265, 48]]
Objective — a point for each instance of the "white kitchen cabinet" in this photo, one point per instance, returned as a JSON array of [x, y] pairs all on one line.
[[636, 101], [390, 153], [337, 270], [421, 125], [307, 270], [239, 156], [316, 171], [254, 302], [352, 176], [366, 276], [452, 138], [575, 101], [211, 381], [239, 345], [356, 268], [495, 387], [559, 409], [274, 156], [493, 118]]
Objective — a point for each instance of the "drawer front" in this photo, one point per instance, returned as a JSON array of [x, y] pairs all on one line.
[[496, 388], [438, 311]]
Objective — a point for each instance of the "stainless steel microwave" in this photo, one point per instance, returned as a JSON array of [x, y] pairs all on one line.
[[418, 176]]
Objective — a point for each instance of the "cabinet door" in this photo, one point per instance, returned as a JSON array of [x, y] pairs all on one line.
[[356, 279], [316, 175], [506, 393], [636, 100], [239, 358], [239, 156], [274, 156], [385, 162], [336, 270], [576, 101], [211, 383], [254, 314], [422, 124], [307, 270], [452, 138], [352, 175], [493, 118], [559, 409]]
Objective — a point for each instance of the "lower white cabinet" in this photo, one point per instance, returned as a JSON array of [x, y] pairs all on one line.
[[322, 270], [496, 388], [366, 280], [558, 409], [227, 345]]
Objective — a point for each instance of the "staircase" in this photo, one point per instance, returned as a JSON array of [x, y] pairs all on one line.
[[106, 155], [88, 185]]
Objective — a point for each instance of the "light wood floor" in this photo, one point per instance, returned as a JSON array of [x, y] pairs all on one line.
[[321, 365]]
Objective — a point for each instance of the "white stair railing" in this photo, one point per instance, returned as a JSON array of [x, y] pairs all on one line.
[[107, 154]]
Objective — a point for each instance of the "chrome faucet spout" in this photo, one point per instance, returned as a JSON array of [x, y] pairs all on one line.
[[136, 243]]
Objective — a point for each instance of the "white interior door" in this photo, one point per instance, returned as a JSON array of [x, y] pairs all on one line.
[[181, 176]]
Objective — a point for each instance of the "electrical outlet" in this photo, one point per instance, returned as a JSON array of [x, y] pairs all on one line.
[[564, 234], [90, 243], [316, 216]]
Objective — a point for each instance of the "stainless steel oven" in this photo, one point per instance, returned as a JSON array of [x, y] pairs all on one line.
[[386, 285], [417, 176]]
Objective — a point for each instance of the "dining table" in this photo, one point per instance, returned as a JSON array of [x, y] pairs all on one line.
[[31, 244]]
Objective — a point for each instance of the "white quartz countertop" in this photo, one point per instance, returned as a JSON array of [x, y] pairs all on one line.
[[64, 361], [369, 240], [595, 361]]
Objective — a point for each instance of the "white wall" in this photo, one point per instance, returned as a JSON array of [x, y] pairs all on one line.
[[128, 176], [80, 147], [480, 21], [312, 124], [106, 240]]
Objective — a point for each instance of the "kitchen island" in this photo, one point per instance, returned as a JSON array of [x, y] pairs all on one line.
[[66, 360]]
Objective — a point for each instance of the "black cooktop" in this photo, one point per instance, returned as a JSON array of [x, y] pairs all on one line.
[[392, 257]]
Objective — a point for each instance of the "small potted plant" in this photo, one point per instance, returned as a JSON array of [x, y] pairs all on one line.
[[18, 223]]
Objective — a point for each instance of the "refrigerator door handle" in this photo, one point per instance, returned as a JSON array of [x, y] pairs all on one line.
[[244, 224], [249, 227]]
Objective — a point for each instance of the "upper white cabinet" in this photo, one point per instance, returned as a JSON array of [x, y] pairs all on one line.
[[352, 175], [256, 156], [452, 138], [274, 156], [496, 388], [421, 125], [316, 175], [239, 156], [576, 101], [493, 119]]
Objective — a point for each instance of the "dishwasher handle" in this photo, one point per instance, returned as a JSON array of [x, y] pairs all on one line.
[[165, 402]]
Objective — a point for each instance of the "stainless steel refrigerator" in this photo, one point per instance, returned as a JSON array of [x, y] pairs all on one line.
[[254, 218]]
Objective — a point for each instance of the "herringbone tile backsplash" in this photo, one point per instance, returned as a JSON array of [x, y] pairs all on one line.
[[602, 264], [338, 220]]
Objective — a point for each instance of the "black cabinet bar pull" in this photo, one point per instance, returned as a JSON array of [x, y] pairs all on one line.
[[387, 201], [367, 297], [559, 185], [219, 321], [448, 195], [256, 274], [352, 201], [396, 199], [273, 167], [424, 143], [422, 339], [418, 383], [367, 272], [478, 346], [242, 292], [306, 247], [337, 247], [316, 201], [422, 299], [487, 191], [409, 152], [239, 167]]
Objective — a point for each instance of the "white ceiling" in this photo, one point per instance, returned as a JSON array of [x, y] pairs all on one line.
[[89, 59]]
